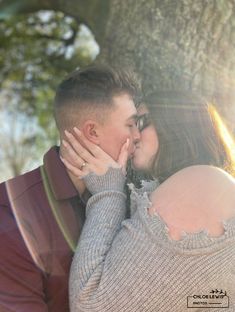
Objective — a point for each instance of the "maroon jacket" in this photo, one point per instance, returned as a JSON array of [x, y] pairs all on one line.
[[41, 216]]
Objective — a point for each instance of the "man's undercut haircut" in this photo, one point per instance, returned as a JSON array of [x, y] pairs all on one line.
[[91, 90]]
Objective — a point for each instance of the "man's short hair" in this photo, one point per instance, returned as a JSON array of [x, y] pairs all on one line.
[[90, 91]]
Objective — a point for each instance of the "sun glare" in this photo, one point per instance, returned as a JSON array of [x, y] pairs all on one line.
[[224, 133]]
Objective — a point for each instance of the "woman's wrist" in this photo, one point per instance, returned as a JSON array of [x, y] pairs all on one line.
[[112, 180]]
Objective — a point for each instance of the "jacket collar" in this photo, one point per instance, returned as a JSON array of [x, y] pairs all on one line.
[[60, 183]]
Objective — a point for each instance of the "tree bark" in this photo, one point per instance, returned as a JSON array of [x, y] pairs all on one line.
[[184, 44]]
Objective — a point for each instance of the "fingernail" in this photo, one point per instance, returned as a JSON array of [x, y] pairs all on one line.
[[77, 130], [64, 143], [67, 133]]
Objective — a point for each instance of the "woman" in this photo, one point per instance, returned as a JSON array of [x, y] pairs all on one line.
[[148, 262]]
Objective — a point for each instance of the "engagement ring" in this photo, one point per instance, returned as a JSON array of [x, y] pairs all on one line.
[[83, 165]]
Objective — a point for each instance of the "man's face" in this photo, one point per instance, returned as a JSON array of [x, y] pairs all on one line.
[[119, 125]]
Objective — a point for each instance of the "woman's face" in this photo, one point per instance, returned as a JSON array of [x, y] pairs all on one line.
[[147, 147]]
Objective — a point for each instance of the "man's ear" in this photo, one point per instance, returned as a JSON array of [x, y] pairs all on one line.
[[91, 131]]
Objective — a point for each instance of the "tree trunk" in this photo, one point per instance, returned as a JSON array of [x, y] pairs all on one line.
[[171, 44], [184, 44]]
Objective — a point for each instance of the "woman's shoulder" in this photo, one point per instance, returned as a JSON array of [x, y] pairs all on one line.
[[201, 171], [195, 198], [199, 178], [198, 171]]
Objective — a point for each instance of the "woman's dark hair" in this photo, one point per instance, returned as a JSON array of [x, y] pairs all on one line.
[[187, 134]]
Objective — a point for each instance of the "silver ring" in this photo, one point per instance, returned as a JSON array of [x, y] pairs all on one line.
[[83, 165]]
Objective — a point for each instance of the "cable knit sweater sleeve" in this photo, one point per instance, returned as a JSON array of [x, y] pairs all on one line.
[[104, 213]]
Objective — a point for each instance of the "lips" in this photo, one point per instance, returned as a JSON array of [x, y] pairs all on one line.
[[131, 155], [136, 148]]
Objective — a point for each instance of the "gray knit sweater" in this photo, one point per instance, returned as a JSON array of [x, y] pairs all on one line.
[[132, 265]]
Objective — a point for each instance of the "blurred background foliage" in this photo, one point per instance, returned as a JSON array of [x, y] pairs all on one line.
[[37, 51]]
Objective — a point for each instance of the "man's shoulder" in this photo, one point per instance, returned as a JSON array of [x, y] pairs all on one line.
[[28, 182], [19, 185]]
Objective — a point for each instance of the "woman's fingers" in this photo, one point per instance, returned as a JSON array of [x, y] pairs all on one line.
[[88, 157], [93, 148], [74, 170], [71, 155], [79, 150]]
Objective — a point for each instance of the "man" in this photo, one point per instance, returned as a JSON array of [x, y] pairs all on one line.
[[41, 213]]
